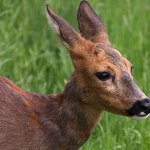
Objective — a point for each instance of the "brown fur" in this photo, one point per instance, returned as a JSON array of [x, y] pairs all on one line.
[[67, 120]]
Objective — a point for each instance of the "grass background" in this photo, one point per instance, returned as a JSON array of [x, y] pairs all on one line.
[[32, 58]]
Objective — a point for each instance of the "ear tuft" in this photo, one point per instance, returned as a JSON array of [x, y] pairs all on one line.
[[52, 22]]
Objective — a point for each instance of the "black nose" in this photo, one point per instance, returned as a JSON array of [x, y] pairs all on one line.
[[140, 108], [145, 104]]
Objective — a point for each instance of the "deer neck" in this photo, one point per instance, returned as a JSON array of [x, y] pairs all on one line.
[[84, 111], [67, 117]]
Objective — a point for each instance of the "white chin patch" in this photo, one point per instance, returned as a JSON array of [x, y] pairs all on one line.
[[141, 116]]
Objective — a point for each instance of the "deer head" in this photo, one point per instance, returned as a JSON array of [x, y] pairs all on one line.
[[102, 73]]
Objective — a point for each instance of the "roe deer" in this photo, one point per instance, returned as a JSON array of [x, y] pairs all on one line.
[[102, 81]]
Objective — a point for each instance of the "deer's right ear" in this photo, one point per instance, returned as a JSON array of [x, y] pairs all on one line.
[[91, 25], [64, 30]]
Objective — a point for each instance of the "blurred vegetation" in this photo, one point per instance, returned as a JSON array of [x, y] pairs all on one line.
[[32, 57]]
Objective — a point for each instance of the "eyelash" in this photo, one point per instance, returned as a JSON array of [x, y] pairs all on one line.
[[103, 76], [132, 67]]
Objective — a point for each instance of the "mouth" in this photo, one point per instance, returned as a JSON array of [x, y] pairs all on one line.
[[140, 116]]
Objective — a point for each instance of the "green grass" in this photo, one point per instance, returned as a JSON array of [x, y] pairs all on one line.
[[32, 58]]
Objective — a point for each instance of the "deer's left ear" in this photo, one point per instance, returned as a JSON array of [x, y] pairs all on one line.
[[90, 24]]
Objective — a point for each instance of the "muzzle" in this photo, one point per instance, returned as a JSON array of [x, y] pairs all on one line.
[[140, 109]]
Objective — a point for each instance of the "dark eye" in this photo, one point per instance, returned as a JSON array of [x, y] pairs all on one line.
[[132, 67], [102, 75]]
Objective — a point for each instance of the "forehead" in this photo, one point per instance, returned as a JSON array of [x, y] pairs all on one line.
[[106, 53]]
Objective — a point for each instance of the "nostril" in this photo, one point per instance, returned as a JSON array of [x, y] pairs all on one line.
[[145, 104]]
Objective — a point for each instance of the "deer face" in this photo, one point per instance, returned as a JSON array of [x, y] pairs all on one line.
[[101, 73], [109, 83]]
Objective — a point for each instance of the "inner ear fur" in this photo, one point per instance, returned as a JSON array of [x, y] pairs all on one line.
[[64, 30], [91, 25]]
